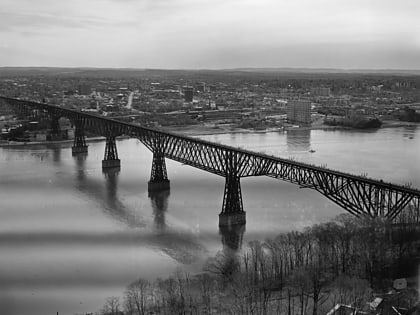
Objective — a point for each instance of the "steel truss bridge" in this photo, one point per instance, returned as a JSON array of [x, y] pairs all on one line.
[[358, 195]]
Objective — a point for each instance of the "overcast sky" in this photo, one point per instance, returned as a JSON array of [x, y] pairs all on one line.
[[373, 34]]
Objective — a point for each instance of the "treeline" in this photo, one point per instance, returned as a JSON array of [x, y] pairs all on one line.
[[409, 114], [358, 122], [308, 272]]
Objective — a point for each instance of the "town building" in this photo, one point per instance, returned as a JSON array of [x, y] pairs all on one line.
[[201, 87], [299, 111], [84, 89], [188, 93]]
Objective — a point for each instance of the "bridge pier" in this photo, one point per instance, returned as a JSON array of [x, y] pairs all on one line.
[[79, 143], [158, 178], [111, 159], [232, 211]]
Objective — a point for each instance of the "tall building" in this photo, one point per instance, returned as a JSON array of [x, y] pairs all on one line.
[[84, 89], [188, 93], [299, 111]]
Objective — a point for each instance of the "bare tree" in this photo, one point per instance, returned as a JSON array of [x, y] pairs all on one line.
[[111, 307], [137, 296], [350, 291]]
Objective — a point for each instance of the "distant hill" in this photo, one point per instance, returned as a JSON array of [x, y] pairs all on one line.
[[332, 70], [203, 73]]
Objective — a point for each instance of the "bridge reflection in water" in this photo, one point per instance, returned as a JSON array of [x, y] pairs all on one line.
[[232, 237], [159, 201], [358, 195], [180, 246], [111, 177]]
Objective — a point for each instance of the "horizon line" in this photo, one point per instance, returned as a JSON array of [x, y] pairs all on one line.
[[218, 69]]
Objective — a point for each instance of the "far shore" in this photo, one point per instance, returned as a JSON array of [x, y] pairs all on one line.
[[200, 130], [33, 143], [203, 130]]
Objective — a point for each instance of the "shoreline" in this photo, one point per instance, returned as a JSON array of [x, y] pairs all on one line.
[[200, 130], [33, 143]]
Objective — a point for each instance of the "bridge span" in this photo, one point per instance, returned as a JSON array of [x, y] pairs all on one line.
[[356, 194]]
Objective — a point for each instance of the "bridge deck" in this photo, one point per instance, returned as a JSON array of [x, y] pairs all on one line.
[[357, 194]]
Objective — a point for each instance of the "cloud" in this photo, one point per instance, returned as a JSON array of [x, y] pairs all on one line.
[[182, 33], [47, 14], [44, 21]]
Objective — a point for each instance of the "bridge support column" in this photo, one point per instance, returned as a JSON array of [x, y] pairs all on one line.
[[232, 210], [158, 178], [54, 132], [79, 143], [111, 159]]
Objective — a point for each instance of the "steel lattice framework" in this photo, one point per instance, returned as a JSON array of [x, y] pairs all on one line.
[[356, 194]]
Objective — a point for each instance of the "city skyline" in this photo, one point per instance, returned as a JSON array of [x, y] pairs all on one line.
[[187, 34]]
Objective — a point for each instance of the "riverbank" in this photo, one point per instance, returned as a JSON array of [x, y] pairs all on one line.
[[205, 130], [33, 143], [397, 124]]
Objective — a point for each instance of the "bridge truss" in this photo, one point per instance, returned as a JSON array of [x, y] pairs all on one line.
[[356, 194]]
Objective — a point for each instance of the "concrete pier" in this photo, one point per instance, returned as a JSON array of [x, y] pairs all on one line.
[[107, 164], [79, 150], [158, 186]]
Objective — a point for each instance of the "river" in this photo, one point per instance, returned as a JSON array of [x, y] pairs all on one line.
[[71, 235]]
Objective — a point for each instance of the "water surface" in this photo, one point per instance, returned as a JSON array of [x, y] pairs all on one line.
[[71, 235]]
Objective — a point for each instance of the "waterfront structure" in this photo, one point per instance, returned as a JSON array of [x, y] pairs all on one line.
[[299, 111]]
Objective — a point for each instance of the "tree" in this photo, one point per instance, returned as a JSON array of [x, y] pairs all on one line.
[[137, 296], [206, 289], [111, 306], [350, 291], [224, 265]]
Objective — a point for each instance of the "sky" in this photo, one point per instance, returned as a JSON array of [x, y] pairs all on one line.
[[211, 34]]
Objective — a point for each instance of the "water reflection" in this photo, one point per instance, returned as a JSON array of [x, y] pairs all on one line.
[[114, 206], [182, 247], [232, 237], [298, 140], [111, 177], [56, 155], [108, 198], [80, 166], [159, 201], [41, 155], [409, 132]]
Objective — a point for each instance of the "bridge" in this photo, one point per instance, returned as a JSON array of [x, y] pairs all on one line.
[[359, 195]]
